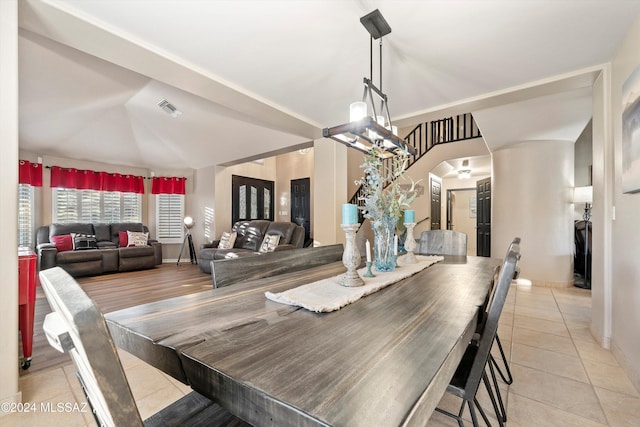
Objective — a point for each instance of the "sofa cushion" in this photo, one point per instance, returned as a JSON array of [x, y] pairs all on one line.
[[102, 232], [135, 238], [136, 252], [283, 229], [84, 241], [123, 239], [70, 257], [254, 234], [117, 227], [63, 242], [74, 227], [227, 240], [269, 243]]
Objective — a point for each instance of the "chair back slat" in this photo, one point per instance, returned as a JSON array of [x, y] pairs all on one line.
[[493, 315], [77, 326]]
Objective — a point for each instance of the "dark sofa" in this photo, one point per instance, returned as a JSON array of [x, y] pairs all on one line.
[[250, 236], [108, 257]]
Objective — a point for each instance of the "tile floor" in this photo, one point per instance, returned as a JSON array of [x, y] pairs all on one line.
[[562, 377]]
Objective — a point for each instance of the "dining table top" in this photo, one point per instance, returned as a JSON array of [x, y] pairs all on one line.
[[384, 360]]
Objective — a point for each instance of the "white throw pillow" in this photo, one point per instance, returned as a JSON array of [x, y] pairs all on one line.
[[270, 242], [227, 240], [136, 238]]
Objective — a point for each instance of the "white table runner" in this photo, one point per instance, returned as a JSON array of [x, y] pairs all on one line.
[[327, 295]]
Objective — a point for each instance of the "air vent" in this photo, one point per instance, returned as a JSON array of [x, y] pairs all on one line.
[[169, 108]]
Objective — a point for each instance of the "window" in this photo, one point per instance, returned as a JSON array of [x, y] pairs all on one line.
[[25, 215], [169, 216], [71, 205]]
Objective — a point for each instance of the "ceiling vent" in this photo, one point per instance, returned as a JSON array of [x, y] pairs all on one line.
[[169, 108]]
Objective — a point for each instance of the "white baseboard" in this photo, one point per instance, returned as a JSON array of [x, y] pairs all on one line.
[[633, 375]]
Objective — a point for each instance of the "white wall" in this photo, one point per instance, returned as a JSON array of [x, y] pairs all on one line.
[[625, 283], [201, 206], [8, 195], [330, 191], [531, 193]]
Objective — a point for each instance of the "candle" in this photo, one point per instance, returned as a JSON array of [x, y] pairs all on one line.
[[395, 245], [368, 247], [409, 216], [349, 214]]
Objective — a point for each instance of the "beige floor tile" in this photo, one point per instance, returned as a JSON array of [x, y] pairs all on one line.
[[536, 300], [561, 393], [546, 326], [609, 377], [539, 313], [580, 331], [157, 400], [620, 409], [128, 360], [145, 379], [523, 412], [43, 385], [551, 342], [594, 352], [576, 314], [549, 361], [58, 411]]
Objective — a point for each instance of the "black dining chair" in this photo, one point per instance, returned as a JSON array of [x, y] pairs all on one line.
[[472, 368], [76, 326]]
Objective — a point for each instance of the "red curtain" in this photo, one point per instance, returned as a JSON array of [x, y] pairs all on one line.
[[30, 173], [92, 180], [168, 185], [122, 183]]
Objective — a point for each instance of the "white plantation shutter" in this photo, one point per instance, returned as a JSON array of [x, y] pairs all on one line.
[[131, 207], [89, 206], [65, 205], [111, 207], [25, 215], [92, 206], [169, 216]]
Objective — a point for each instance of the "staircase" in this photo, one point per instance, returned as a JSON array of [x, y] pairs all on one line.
[[427, 135]]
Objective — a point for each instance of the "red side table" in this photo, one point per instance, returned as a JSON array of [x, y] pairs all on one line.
[[27, 301]]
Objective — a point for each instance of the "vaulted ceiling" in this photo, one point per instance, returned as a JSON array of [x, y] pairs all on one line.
[[259, 77]]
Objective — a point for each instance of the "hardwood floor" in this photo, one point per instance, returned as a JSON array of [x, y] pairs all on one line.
[[113, 292]]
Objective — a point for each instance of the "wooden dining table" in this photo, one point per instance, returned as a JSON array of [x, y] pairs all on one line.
[[384, 360]]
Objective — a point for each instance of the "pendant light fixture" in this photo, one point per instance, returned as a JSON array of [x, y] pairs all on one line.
[[370, 127]]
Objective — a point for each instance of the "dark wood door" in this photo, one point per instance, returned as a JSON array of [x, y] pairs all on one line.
[[483, 226], [301, 204], [436, 189], [251, 198]]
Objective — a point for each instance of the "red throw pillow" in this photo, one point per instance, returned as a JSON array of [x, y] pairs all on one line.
[[123, 238], [63, 242]]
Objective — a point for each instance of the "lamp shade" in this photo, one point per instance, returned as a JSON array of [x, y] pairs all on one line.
[[357, 111], [188, 222], [583, 194]]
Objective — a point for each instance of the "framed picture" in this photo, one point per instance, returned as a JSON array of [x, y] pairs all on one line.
[[631, 133]]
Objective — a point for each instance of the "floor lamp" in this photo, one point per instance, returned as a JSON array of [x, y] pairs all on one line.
[[188, 225], [585, 195]]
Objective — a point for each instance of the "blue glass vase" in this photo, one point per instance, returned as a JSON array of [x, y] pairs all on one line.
[[384, 257]]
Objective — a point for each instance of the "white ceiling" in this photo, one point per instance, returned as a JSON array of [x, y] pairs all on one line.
[[257, 77]]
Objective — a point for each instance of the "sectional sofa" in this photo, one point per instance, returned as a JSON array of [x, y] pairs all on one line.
[[96, 248], [249, 238]]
